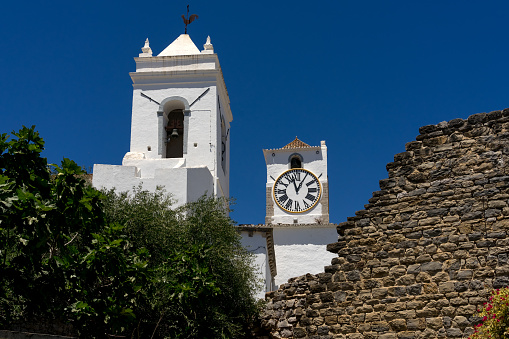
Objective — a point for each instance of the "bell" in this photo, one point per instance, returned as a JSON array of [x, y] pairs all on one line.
[[174, 133]]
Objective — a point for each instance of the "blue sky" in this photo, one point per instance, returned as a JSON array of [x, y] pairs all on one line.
[[362, 75]]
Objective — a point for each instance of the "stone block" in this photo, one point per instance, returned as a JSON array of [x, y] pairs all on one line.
[[440, 277], [414, 269], [299, 332], [344, 319], [372, 317], [431, 267], [464, 275], [406, 335], [331, 320], [397, 271], [283, 324], [427, 312], [454, 332], [461, 286], [397, 306], [466, 310], [415, 289], [414, 304], [398, 325], [378, 272], [446, 287], [397, 291], [312, 313], [380, 326], [322, 330], [500, 282], [424, 257], [458, 301], [461, 321], [448, 247], [407, 279], [318, 321], [353, 275], [430, 288], [434, 323], [359, 318], [379, 293], [305, 321], [416, 324], [286, 333], [311, 329], [326, 297]]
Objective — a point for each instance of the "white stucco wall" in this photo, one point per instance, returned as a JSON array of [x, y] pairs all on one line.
[[256, 243], [184, 184], [302, 249]]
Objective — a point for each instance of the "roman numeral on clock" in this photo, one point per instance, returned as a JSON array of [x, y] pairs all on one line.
[[283, 198], [310, 197], [289, 204], [297, 206], [312, 189]]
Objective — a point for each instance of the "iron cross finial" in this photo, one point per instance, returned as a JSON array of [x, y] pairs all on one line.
[[189, 19]]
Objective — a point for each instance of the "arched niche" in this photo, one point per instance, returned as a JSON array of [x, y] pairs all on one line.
[[172, 109], [295, 160]]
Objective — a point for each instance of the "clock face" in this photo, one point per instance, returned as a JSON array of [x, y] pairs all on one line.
[[297, 190]]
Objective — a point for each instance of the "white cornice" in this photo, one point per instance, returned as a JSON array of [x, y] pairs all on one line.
[[211, 76], [291, 150]]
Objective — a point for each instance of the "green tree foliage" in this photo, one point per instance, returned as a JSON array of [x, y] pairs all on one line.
[[59, 259], [113, 264], [203, 278]]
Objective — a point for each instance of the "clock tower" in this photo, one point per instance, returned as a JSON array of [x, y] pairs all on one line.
[[180, 125], [297, 190]]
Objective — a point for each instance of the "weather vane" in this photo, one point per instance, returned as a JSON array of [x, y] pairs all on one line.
[[189, 19]]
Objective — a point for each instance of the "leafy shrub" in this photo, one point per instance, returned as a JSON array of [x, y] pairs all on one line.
[[495, 316], [59, 258]]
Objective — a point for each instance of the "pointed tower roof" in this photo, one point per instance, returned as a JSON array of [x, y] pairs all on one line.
[[296, 144], [183, 45]]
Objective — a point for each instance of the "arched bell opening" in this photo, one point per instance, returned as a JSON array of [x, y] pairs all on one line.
[[295, 161], [175, 134], [173, 115]]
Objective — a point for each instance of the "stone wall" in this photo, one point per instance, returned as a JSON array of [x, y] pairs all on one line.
[[420, 259]]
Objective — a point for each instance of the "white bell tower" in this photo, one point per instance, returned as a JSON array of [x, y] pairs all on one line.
[[180, 125]]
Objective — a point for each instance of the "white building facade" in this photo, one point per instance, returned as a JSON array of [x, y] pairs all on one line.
[[297, 208], [180, 141]]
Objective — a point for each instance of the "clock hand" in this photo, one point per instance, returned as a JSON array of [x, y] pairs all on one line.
[[300, 185], [295, 185]]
